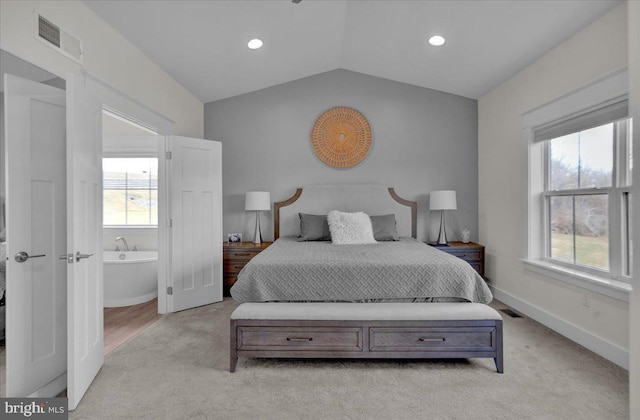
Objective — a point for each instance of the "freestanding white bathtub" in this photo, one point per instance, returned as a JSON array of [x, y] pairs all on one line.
[[130, 277]]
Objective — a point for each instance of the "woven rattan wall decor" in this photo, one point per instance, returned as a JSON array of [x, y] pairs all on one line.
[[341, 137]]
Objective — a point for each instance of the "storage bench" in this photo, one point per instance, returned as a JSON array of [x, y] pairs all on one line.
[[366, 330]]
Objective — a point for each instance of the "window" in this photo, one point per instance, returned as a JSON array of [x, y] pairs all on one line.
[[586, 198], [578, 191], [130, 191]]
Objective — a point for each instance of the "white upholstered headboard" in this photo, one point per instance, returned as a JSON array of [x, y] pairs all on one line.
[[375, 200]]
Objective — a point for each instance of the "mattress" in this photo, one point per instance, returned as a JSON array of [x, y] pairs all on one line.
[[397, 271]]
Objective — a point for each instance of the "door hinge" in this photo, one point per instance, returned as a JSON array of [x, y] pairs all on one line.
[[170, 223], [170, 290], [168, 155]]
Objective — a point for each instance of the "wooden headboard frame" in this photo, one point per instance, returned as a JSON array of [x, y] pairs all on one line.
[[413, 205]]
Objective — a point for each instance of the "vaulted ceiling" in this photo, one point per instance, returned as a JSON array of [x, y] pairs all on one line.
[[203, 44]]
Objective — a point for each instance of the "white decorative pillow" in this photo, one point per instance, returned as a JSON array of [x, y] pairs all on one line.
[[350, 228]]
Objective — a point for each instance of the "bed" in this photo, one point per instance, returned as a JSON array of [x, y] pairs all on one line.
[[387, 299], [405, 270]]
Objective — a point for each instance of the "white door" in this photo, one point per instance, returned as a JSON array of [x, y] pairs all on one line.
[[36, 328], [196, 222], [84, 239]]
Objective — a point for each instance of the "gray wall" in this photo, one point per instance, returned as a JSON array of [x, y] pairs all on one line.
[[423, 140]]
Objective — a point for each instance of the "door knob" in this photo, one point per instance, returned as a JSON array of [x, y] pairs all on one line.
[[80, 256], [22, 256]]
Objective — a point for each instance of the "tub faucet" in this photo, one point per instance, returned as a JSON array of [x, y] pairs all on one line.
[[124, 241]]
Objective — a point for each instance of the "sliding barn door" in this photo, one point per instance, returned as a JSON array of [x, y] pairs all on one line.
[[195, 173]]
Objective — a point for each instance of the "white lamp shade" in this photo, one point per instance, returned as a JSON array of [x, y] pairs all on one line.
[[257, 200], [443, 200]]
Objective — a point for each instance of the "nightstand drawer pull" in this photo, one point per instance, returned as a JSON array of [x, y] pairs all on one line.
[[300, 339], [431, 340], [240, 254]]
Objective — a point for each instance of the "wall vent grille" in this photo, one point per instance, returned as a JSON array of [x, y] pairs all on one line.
[[48, 31], [511, 313], [59, 39]]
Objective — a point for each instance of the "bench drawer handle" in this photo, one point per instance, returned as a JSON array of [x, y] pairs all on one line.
[[299, 339], [430, 340]]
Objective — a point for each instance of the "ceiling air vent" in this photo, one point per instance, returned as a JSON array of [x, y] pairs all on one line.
[[57, 38]]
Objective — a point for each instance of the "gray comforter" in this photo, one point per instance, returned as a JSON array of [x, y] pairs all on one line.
[[406, 270]]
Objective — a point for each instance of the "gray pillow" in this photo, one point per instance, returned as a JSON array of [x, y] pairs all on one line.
[[384, 227], [313, 227]]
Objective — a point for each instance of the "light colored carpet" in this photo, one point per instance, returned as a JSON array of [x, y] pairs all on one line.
[[178, 369]]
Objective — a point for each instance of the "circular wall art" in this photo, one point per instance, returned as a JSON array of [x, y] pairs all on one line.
[[341, 137]]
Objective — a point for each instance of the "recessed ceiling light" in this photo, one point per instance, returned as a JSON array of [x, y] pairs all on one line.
[[436, 40], [255, 43]]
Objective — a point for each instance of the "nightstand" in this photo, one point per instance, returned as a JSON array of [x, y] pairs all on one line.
[[470, 252], [235, 256]]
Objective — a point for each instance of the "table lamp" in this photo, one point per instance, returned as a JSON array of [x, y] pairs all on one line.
[[442, 200], [257, 201]]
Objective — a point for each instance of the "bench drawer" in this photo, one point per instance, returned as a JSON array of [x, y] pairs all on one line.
[[432, 339], [300, 338]]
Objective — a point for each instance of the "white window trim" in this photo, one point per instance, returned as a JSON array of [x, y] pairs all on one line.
[[598, 284], [611, 86], [133, 153], [120, 227]]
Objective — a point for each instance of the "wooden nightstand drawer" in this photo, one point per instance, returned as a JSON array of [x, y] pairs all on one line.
[[233, 266], [235, 257], [240, 254], [467, 255], [470, 252], [229, 280], [478, 266]]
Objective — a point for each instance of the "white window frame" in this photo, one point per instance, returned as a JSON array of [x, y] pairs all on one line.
[[132, 156], [610, 87], [142, 147]]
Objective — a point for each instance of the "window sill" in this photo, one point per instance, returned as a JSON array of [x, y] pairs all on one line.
[[120, 227], [602, 285]]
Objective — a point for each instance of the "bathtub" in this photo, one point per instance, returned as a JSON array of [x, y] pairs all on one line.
[[130, 277]]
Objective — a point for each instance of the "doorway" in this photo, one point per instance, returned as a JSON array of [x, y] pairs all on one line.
[[52, 145], [52, 357], [13, 65], [130, 228], [188, 241]]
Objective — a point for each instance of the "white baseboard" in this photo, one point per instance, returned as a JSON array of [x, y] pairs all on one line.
[[117, 303], [52, 389], [604, 348]]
